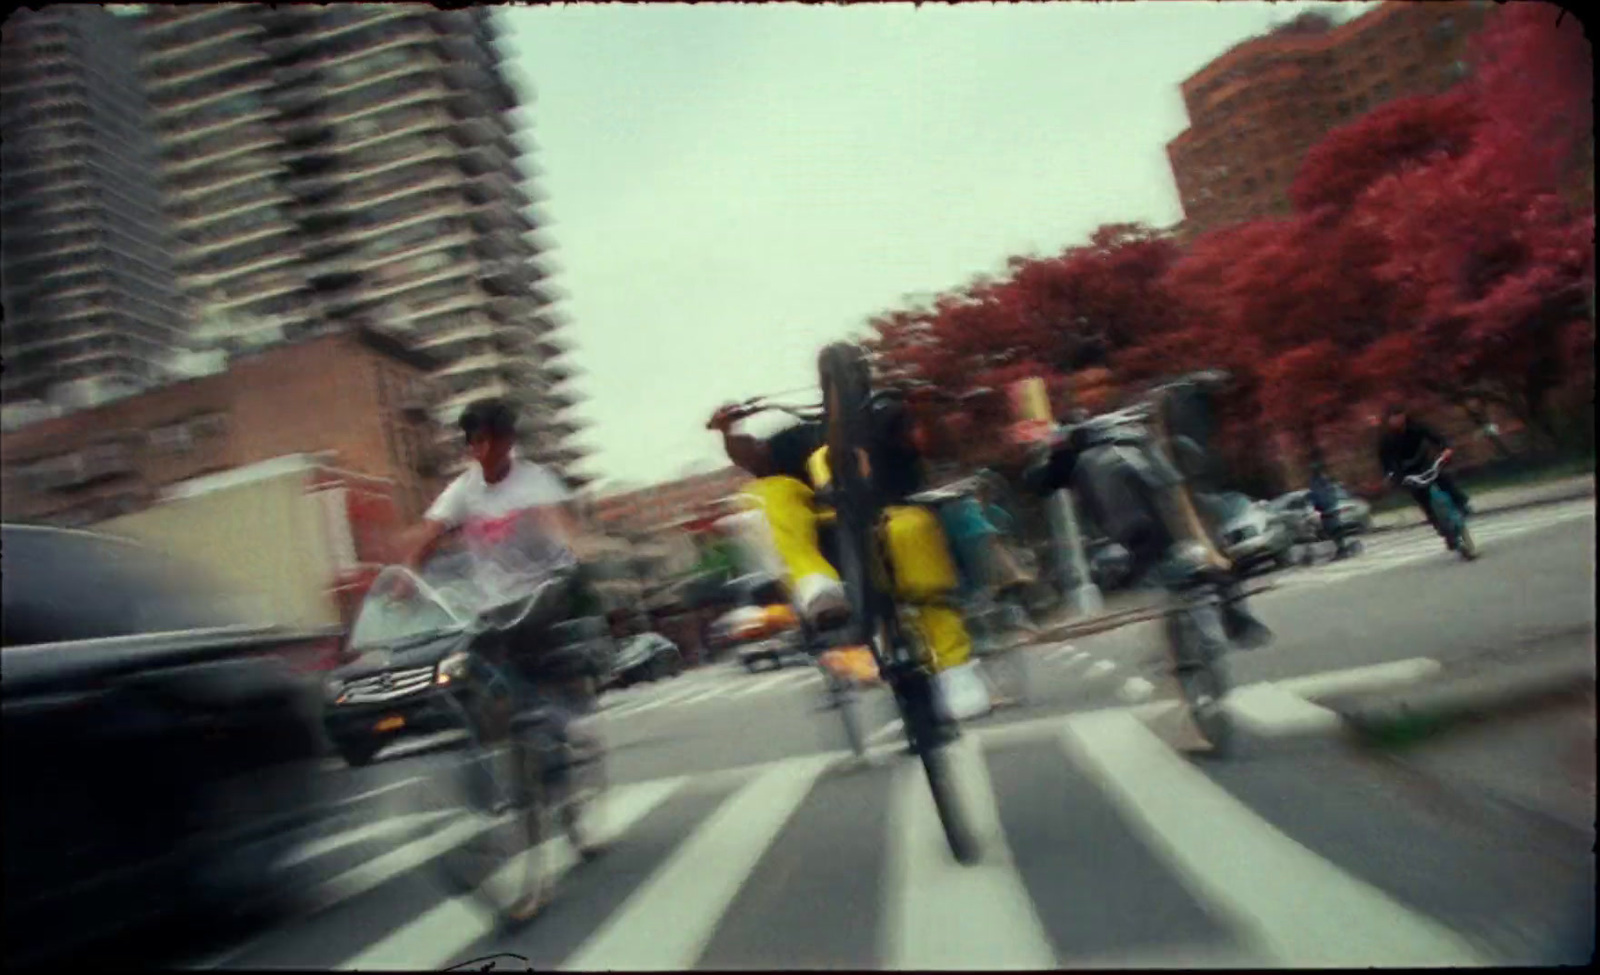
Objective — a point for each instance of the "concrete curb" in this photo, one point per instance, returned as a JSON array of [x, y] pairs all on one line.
[[1404, 717], [1575, 494]]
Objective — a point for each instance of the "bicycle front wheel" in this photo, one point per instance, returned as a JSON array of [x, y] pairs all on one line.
[[845, 378]]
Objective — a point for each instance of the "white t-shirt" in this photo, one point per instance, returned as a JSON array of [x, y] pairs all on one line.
[[510, 550]]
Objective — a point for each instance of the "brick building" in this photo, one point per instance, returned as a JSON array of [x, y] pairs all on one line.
[[1256, 110], [671, 503], [360, 397]]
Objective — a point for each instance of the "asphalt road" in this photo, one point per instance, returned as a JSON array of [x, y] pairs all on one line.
[[745, 839]]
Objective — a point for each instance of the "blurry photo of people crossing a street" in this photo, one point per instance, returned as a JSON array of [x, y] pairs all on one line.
[[1036, 486]]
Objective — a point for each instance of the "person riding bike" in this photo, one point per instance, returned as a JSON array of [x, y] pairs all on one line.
[[1143, 476], [511, 515], [1325, 499], [1402, 452], [789, 533]]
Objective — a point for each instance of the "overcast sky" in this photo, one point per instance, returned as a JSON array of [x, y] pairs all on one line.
[[731, 186]]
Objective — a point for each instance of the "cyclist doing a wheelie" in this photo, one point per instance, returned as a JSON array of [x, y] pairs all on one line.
[[788, 531], [1403, 451], [1143, 475]]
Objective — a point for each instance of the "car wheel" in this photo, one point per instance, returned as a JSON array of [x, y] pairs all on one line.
[[357, 752], [749, 664]]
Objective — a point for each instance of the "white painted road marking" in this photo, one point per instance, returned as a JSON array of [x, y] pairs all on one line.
[[434, 940], [1299, 908], [669, 919], [945, 916]]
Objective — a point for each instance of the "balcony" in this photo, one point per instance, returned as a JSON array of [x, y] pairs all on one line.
[[438, 210], [173, 20], [235, 56], [361, 16], [459, 269], [457, 401], [395, 185], [198, 184], [350, 108], [406, 29], [363, 166], [445, 341], [200, 249], [407, 64], [419, 315]]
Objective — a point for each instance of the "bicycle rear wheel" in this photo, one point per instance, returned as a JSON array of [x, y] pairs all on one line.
[[577, 782], [501, 865], [1195, 637]]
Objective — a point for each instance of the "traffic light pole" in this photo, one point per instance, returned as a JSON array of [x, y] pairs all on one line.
[[1082, 594]]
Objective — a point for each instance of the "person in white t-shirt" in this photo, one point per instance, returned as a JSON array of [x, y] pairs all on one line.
[[510, 512]]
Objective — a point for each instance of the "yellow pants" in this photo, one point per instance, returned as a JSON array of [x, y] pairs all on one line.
[[922, 565]]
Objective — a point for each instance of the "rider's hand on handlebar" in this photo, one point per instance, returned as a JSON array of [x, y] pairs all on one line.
[[726, 416]]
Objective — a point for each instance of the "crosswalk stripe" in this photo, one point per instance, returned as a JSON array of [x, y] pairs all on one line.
[[359, 880], [1268, 709], [1357, 680], [761, 685], [945, 916], [436, 938], [311, 850], [1298, 907], [719, 690], [667, 922], [660, 700]]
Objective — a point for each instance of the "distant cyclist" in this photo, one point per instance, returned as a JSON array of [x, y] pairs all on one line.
[[1324, 494], [1403, 451]]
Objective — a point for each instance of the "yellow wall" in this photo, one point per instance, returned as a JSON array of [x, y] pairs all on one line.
[[264, 541]]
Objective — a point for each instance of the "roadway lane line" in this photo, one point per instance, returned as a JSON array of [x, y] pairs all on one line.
[[1281, 897], [940, 914], [432, 941], [667, 922]]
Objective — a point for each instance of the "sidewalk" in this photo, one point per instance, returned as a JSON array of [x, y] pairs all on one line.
[[1500, 499]]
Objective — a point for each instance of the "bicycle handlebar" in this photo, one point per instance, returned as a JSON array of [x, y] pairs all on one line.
[[1427, 477]]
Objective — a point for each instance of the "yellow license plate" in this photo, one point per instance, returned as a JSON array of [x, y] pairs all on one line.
[[390, 724]]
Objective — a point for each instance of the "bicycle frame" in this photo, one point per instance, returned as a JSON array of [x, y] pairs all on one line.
[[1444, 509]]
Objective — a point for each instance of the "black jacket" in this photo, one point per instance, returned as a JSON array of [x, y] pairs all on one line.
[[1403, 452]]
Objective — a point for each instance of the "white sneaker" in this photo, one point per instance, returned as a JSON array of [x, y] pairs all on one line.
[[963, 693], [821, 599]]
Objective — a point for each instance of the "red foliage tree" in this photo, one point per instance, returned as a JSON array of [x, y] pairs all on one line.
[[1499, 274], [1534, 75], [1393, 138]]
